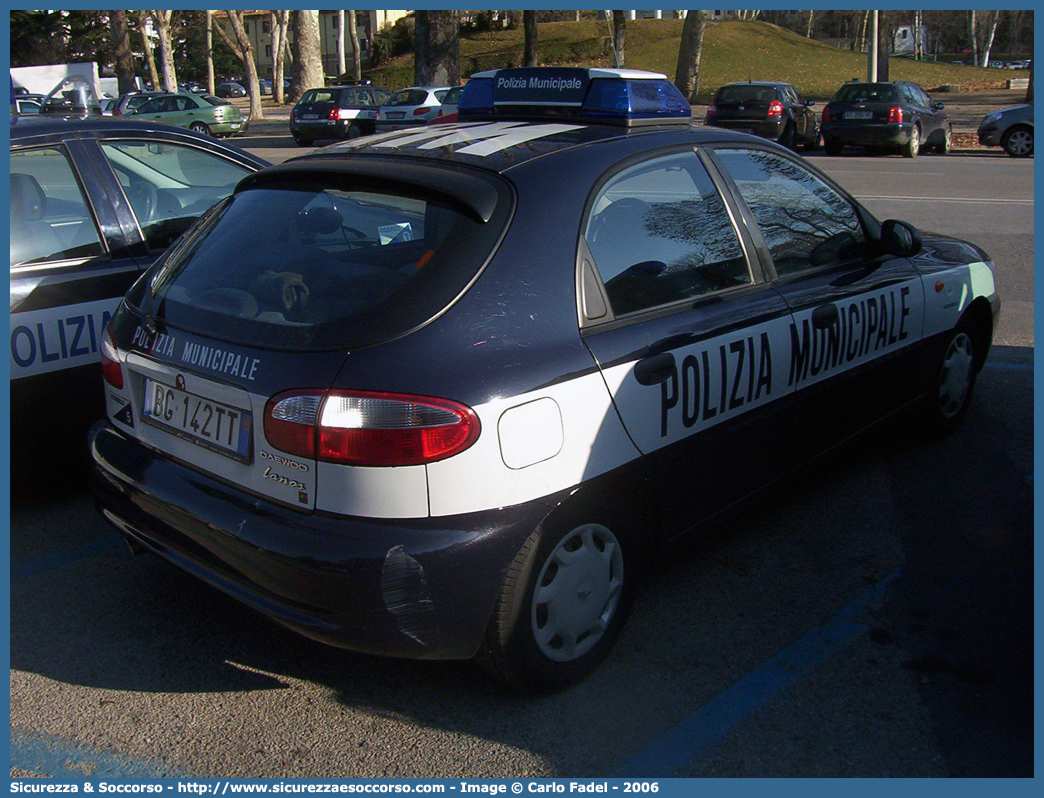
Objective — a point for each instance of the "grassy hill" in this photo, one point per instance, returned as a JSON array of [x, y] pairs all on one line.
[[732, 50]]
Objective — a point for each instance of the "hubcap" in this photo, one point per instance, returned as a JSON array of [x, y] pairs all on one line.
[[915, 141], [955, 377], [577, 593], [1021, 142], [947, 140]]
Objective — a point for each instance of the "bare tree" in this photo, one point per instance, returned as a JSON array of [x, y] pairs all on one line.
[[989, 38], [210, 52], [1029, 89], [170, 76], [121, 45], [808, 30], [974, 38], [143, 28], [437, 50], [689, 53], [619, 34], [341, 68], [529, 22], [279, 22], [862, 32], [245, 53], [306, 53], [353, 37]]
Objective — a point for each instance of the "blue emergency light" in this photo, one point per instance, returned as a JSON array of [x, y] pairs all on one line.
[[628, 97]]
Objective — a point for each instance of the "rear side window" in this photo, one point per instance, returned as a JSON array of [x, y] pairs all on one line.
[[305, 267], [659, 233]]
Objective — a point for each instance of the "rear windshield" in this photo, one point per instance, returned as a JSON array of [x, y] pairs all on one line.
[[408, 97], [746, 94], [320, 267], [867, 93], [210, 98]]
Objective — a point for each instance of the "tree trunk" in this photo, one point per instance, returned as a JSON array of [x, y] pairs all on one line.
[[619, 34], [529, 22], [279, 54], [170, 76], [246, 55], [437, 50], [989, 38], [808, 31], [688, 73], [341, 66], [974, 37], [1029, 89], [210, 52], [306, 53], [862, 32], [353, 37], [124, 57], [143, 19]]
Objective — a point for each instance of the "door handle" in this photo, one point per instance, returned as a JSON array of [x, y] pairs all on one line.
[[655, 369], [824, 316]]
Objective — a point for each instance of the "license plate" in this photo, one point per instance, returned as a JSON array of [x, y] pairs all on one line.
[[212, 425], [309, 116], [396, 114], [859, 114]]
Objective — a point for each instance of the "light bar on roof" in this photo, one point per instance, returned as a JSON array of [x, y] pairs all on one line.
[[609, 96]]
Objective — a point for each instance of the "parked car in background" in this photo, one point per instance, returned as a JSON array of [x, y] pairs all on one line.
[[411, 107], [265, 86], [885, 116], [202, 113], [108, 106], [771, 109], [450, 102], [1010, 128], [336, 112], [27, 107], [230, 90], [93, 203], [132, 100]]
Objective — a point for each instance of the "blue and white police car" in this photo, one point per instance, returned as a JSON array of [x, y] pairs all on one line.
[[446, 393]]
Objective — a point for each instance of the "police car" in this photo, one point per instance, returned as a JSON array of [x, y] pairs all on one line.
[[94, 201], [447, 393]]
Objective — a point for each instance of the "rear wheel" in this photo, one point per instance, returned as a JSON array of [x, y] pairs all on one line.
[[354, 130], [832, 146], [564, 601], [302, 141], [913, 146], [199, 127], [788, 137], [1018, 142]]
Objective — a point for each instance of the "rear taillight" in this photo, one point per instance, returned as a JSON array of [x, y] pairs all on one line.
[[116, 112], [110, 360], [826, 114], [775, 108], [334, 114], [369, 429], [895, 115], [420, 111], [712, 109]]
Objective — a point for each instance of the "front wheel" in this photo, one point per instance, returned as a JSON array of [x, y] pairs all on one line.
[[913, 146], [563, 603], [1018, 142], [943, 148], [950, 393]]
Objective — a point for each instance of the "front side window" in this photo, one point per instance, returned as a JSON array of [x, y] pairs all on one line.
[[805, 223], [49, 216], [168, 185], [659, 233]]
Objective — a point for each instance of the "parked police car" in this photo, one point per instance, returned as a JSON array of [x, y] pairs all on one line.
[[446, 393], [93, 203]]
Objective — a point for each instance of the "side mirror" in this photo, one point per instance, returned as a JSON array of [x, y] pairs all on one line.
[[900, 238], [938, 106], [810, 103]]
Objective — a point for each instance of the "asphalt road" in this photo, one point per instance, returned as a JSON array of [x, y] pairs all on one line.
[[875, 619]]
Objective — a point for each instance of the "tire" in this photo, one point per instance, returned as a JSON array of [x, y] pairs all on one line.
[[301, 141], [813, 145], [913, 146], [1018, 141], [944, 147], [354, 131], [953, 383], [200, 127], [789, 136], [588, 566], [832, 147]]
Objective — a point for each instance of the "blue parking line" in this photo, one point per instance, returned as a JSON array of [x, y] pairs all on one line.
[[63, 759], [681, 747], [49, 562]]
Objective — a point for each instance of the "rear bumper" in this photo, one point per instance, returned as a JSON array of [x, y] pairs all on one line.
[[225, 128], [769, 129], [869, 135], [420, 588]]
